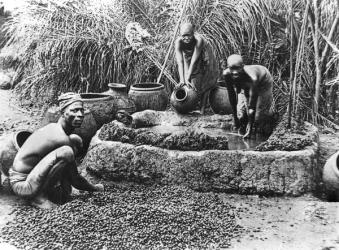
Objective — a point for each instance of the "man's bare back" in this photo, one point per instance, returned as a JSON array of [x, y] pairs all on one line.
[[258, 78], [257, 82], [34, 149]]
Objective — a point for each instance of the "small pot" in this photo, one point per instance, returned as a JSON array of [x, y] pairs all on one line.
[[331, 173], [184, 99], [120, 98], [9, 146], [117, 89]]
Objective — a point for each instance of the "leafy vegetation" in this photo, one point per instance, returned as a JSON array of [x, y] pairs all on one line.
[[81, 45]]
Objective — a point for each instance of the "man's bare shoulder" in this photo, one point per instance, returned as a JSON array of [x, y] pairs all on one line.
[[52, 131], [200, 39], [255, 71]]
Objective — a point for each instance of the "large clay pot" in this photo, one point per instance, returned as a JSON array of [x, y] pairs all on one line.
[[121, 100], [86, 131], [331, 173], [101, 106], [9, 146], [148, 96], [219, 101], [184, 99]]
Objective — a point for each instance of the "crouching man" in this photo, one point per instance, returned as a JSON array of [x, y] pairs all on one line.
[[44, 166], [256, 83]]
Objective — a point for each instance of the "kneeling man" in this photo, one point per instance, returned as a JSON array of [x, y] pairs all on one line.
[[46, 161], [256, 82]]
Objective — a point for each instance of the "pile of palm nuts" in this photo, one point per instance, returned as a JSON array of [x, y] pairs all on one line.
[[128, 216]]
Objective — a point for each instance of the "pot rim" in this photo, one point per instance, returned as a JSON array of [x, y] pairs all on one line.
[[115, 85], [155, 86], [175, 95], [99, 97], [334, 163], [16, 134]]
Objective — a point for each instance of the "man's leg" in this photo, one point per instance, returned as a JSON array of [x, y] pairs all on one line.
[[196, 82], [44, 175], [204, 101]]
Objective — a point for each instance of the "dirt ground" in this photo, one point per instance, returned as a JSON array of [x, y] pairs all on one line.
[[273, 223]]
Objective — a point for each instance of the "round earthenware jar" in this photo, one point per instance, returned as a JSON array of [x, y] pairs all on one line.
[[331, 173], [184, 99], [219, 101], [149, 96], [101, 106], [9, 146], [121, 100], [87, 129]]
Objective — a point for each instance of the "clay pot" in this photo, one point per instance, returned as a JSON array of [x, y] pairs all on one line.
[[184, 99], [9, 146], [120, 98], [219, 101], [5, 81], [331, 173], [86, 131], [88, 128], [149, 96], [101, 106], [117, 89]]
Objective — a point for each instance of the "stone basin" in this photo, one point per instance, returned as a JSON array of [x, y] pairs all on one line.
[[238, 169]]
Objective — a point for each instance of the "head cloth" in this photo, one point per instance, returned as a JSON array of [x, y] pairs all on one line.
[[67, 99]]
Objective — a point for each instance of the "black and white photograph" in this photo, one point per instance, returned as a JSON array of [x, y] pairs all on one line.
[[169, 124]]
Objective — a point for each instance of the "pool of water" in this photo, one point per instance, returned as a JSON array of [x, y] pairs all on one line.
[[235, 141]]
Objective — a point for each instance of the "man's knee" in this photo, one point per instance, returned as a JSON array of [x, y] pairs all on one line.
[[75, 140], [66, 153]]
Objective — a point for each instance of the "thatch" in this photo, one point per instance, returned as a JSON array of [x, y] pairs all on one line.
[[80, 45]]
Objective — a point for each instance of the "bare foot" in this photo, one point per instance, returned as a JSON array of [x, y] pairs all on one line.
[[195, 112], [100, 187], [43, 203]]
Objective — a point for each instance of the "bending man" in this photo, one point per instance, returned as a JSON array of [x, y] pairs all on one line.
[[256, 82], [197, 65], [45, 163]]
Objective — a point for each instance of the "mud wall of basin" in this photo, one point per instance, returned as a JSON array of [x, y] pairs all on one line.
[[247, 172]]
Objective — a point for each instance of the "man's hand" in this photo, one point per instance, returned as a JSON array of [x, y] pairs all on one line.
[[249, 128], [248, 133], [99, 187], [251, 113], [236, 123], [190, 85]]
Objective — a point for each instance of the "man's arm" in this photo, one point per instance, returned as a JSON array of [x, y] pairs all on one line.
[[180, 61], [197, 51], [252, 104], [79, 182], [232, 96]]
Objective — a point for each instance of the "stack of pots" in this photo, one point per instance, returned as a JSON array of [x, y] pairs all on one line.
[[149, 96]]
